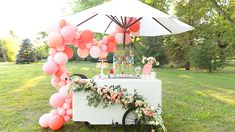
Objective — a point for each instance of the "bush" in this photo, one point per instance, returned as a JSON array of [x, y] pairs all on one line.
[[205, 56]]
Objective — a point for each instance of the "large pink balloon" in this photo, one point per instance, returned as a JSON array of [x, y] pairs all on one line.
[[68, 33], [54, 40], [56, 100], [95, 52], [50, 67], [44, 120], [56, 122], [61, 58], [64, 91], [83, 53]]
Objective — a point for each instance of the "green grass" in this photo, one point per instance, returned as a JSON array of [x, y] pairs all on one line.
[[192, 100]]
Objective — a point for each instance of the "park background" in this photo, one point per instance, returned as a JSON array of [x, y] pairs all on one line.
[[197, 69]]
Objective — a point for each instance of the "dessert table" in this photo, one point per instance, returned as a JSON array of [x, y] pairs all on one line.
[[151, 89]]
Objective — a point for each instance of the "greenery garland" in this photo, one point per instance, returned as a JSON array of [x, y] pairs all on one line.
[[109, 95]]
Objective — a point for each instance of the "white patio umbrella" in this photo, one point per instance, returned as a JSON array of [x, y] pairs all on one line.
[[104, 17]]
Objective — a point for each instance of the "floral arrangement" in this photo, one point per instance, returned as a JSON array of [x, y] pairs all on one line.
[[150, 59], [109, 95]]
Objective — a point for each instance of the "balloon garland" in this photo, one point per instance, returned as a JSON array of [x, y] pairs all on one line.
[[60, 36]]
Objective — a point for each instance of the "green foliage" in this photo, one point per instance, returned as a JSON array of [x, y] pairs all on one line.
[[205, 56], [41, 52], [26, 54], [8, 49]]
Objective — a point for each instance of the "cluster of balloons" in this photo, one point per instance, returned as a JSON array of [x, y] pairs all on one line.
[[60, 38]]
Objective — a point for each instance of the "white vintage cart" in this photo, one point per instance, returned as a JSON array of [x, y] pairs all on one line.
[[151, 89]]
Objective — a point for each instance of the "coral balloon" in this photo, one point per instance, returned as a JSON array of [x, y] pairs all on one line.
[[44, 120], [61, 58], [62, 23], [83, 53], [86, 36], [111, 39], [95, 52], [111, 46], [69, 52], [56, 100], [135, 27], [54, 40], [68, 33], [56, 122], [50, 67], [82, 45]]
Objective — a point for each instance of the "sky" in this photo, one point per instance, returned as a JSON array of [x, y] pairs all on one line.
[[27, 17]]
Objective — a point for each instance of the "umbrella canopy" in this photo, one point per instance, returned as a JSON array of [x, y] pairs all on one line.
[[104, 17]]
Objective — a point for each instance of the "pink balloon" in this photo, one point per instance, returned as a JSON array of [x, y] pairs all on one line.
[[76, 43], [52, 51], [56, 122], [61, 111], [83, 53], [119, 29], [62, 23], [95, 52], [61, 58], [50, 67], [105, 40], [54, 112], [54, 40], [94, 42], [68, 101], [69, 111], [68, 33], [99, 43], [60, 48], [104, 54], [56, 100], [67, 118], [88, 45], [128, 38], [61, 83], [66, 106], [77, 36], [44, 120], [119, 38], [63, 92], [104, 47]]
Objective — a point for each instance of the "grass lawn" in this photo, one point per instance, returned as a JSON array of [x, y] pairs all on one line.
[[192, 101]]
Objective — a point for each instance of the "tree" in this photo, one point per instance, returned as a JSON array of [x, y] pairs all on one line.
[[225, 8], [41, 46], [26, 53], [8, 48]]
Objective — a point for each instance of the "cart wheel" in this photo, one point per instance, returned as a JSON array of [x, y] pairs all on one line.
[[130, 119]]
